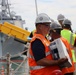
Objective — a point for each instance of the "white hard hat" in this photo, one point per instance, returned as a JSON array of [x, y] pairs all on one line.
[[43, 18], [67, 22], [54, 25], [60, 17], [52, 20]]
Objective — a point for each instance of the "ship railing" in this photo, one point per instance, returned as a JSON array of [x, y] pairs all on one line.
[[10, 70]]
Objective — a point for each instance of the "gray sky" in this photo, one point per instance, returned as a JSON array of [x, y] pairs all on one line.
[[27, 10]]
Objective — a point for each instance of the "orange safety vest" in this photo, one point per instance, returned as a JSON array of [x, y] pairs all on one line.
[[72, 68], [36, 69]]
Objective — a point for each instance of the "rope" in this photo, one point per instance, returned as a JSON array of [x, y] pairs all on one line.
[[19, 54]]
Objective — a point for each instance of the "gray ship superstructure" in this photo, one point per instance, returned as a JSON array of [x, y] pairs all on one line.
[[7, 43]]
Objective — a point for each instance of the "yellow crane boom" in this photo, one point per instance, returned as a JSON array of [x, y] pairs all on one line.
[[14, 31]]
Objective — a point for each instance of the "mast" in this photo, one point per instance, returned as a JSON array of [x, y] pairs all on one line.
[[36, 7], [7, 15], [5, 11]]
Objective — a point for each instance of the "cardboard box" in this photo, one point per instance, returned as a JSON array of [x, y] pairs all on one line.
[[59, 50]]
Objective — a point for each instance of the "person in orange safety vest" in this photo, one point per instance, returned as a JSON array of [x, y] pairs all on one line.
[[40, 58], [55, 34]]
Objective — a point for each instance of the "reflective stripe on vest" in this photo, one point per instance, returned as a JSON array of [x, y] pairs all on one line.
[[31, 56], [36, 67], [71, 38]]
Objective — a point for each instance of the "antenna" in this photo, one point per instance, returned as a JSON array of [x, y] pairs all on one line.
[[36, 7], [8, 8]]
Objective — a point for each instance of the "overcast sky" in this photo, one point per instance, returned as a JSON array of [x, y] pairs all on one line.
[[27, 10]]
